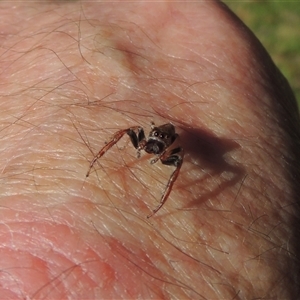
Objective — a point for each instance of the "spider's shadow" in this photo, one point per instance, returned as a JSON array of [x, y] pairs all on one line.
[[211, 154]]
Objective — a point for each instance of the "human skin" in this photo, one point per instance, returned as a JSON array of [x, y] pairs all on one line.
[[74, 73]]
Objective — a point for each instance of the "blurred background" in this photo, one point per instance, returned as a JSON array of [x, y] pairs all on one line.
[[277, 26]]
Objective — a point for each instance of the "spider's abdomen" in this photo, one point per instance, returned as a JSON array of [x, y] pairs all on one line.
[[154, 146]]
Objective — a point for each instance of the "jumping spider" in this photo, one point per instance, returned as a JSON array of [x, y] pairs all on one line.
[[158, 143]]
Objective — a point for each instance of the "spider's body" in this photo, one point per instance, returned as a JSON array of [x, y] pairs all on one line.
[[160, 138], [158, 142]]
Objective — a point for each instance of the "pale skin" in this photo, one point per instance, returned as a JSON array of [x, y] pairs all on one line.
[[72, 74]]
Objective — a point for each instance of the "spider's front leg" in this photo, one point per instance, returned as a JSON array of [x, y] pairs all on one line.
[[170, 158], [138, 140], [116, 137]]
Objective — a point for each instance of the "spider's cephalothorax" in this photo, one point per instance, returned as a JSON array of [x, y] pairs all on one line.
[[158, 142], [160, 138]]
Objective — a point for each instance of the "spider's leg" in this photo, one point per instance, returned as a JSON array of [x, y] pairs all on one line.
[[154, 160], [138, 140], [167, 154], [116, 137], [171, 158]]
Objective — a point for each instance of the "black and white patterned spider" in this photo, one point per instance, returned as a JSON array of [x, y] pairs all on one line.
[[158, 143]]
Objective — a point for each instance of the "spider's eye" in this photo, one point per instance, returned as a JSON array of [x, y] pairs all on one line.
[[155, 133]]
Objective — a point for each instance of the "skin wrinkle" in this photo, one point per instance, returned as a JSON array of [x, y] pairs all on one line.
[[247, 241]]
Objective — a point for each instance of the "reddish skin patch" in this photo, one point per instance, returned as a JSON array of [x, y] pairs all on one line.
[[47, 259]]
